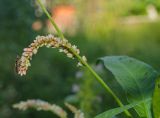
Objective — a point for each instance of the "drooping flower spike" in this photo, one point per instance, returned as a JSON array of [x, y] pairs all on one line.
[[51, 42], [77, 113], [41, 106]]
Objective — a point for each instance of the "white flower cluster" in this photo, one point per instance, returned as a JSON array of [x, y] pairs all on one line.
[[49, 41], [77, 113], [41, 105], [45, 106]]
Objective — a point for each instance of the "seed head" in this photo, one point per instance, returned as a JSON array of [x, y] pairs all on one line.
[[49, 41], [41, 105], [77, 113]]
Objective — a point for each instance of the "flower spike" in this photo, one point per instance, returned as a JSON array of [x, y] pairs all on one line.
[[49, 41]]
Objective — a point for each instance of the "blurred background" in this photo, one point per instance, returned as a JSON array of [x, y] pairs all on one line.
[[98, 27]]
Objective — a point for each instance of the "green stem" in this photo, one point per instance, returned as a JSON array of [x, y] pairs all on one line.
[[51, 20], [98, 78]]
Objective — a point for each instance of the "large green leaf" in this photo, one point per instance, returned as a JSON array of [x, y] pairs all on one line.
[[137, 79], [156, 99], [113, 112]]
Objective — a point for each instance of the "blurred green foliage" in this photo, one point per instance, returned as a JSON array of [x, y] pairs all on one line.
[[156, 100], [52, 75]]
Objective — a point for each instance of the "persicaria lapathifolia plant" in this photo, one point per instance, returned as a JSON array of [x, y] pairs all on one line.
[[64, 46], [51, 42], [41, 105]]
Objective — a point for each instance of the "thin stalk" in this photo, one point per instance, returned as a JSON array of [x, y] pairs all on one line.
[[51, 20], [98, 78]]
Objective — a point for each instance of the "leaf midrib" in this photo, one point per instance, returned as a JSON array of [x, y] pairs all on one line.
[[134, 78]]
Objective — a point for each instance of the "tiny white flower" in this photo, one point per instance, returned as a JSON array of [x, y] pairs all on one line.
[[74, 47], [69, 55], [79, 64], [84, 58], [61, 50], [65, 51], [34, 51], [77, 51], [48, 45]]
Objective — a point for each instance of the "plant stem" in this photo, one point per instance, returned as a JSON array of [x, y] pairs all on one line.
[[51, 20], [104, 85], [98, 78]]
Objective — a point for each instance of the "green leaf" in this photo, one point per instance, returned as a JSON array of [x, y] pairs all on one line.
[[136, 78], [156, 99], [113, 112]]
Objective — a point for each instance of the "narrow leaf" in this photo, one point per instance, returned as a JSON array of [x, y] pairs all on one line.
[[113, 112], [156, 99]]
